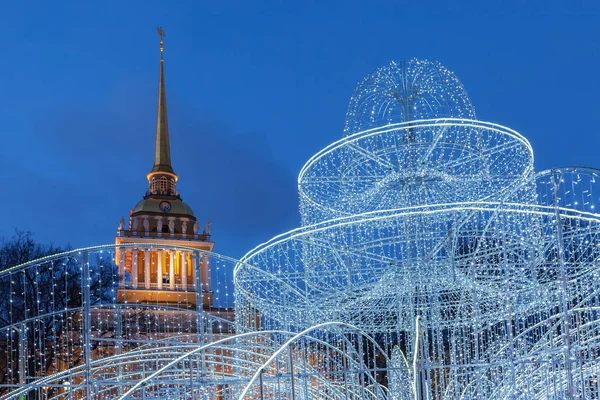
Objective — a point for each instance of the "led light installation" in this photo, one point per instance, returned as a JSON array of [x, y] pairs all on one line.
[[65, 335], [432, 262], [431, 231]]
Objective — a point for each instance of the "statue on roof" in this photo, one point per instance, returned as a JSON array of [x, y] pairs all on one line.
[[207, 228]]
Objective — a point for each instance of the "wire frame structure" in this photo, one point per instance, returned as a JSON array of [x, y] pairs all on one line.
[[325, 361], [432, 262], [407, 91], [321, 362], [65, 335], [415, 163], [430, 231], [59, 317]]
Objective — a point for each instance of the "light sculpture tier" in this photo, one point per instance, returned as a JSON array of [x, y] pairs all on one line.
[[407, 91]]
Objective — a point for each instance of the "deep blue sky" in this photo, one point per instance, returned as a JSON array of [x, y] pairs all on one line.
[[253, 91]]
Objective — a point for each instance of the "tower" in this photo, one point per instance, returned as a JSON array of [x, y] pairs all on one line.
[[150, 273]]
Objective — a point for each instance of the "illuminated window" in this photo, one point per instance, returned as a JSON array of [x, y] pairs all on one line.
[[163, 188]]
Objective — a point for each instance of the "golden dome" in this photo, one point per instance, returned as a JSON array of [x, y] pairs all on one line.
[[152, 205]]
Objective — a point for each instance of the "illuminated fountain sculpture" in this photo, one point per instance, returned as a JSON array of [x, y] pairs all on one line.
[[430, 231], [432, 263]]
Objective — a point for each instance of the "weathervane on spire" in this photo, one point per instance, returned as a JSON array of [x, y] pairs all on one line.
[[161, 33]]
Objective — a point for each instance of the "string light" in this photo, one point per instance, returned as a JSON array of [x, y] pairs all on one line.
[[423, 213], [432, 262]]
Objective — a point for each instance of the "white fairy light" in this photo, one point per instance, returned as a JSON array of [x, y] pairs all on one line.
[[423, 212], [426, 236]]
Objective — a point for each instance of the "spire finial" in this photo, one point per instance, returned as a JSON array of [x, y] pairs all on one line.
[[161, 33], [162, 154]]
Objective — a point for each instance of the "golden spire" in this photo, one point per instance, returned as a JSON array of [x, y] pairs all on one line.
[[162, 154], [161, 33]]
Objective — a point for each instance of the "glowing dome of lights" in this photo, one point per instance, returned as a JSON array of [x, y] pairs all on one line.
[[407, 91], [432, 262]]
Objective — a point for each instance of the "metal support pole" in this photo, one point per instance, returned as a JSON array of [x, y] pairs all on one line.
[[191, 377], [563, 275], [509, 320], [87, 326], [122, 266], [199, 309], [417, 364], [304, 352], [345, 364], [291, 357], [22, 353], [199, 305], [361, 356], [119, 337], [261, 385]]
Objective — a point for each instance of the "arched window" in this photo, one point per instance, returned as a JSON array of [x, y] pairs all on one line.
[[154, 185], [163, 185]]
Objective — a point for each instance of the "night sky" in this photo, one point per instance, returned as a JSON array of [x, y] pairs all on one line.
[[253, 90]]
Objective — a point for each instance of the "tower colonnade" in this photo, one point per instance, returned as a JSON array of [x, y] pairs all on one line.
[[157, 268], [151, 272]]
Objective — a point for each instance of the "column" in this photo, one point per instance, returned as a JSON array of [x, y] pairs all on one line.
[[171, 269], [183, 270], [121, 267], [204, 273], [134, 269], [159, 266], [147, 269], [195, 267]]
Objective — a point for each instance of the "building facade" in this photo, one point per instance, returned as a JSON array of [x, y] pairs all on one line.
[[151, 273]]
